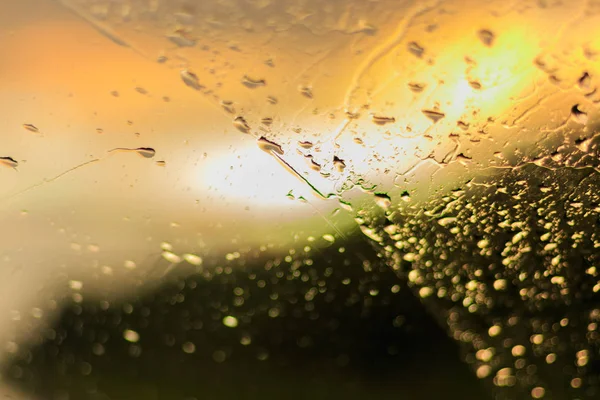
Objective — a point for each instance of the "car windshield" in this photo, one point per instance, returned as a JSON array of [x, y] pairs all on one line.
[[299, 199]]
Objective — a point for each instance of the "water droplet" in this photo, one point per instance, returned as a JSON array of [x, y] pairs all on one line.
[[306, 91], [8, 162], [416, 87], [538, 392], [230, 322], [161, 163], [145, 152], [171, 257], [305, 144], [475, 84], [416, 49], [190, 79], [383, 200], [241, 125], [578, 115], [585, 82], [252, 82], [486, 37], [228, 106], [188, 348], [272, 99], [339, 164], [329, 237], [219, 356], [31, 128], [182, 38], [246, 340], [141, 90], [462, 159], [313, 164], [267, 121], [131, 336], [192, 259], [381, 120], [266, 145], [433, 115]]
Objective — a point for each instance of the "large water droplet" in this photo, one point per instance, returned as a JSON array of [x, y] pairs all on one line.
[[8, 162], [578, 115], [266, 145]]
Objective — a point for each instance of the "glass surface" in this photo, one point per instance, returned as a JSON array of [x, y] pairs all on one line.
[[214, 199]]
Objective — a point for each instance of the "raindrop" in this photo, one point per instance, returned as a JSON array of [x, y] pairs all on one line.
[[339, 164], [486, 37], [182, 38], [269, 146], [252, 82], [131, 336], [433, 115], [272, 99], [266, 121], [192, 259], [329, 237], [141, 90], [538, 392], [313, 164], [230, 322], [416, 49], [228, 106], [8, 162], [241, 125], [416, 87], [578, 115], [31, 128], [191, 79], [585, 82], [381, 120], [188, 348], [219, 356], [171, 257], [305, 144], [306, 91], [383, 200], [161, 163], [145, 152]]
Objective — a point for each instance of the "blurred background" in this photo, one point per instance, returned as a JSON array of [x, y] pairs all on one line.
[[259, 199]]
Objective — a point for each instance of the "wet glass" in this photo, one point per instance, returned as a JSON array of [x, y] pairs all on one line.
[[302, 199]]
